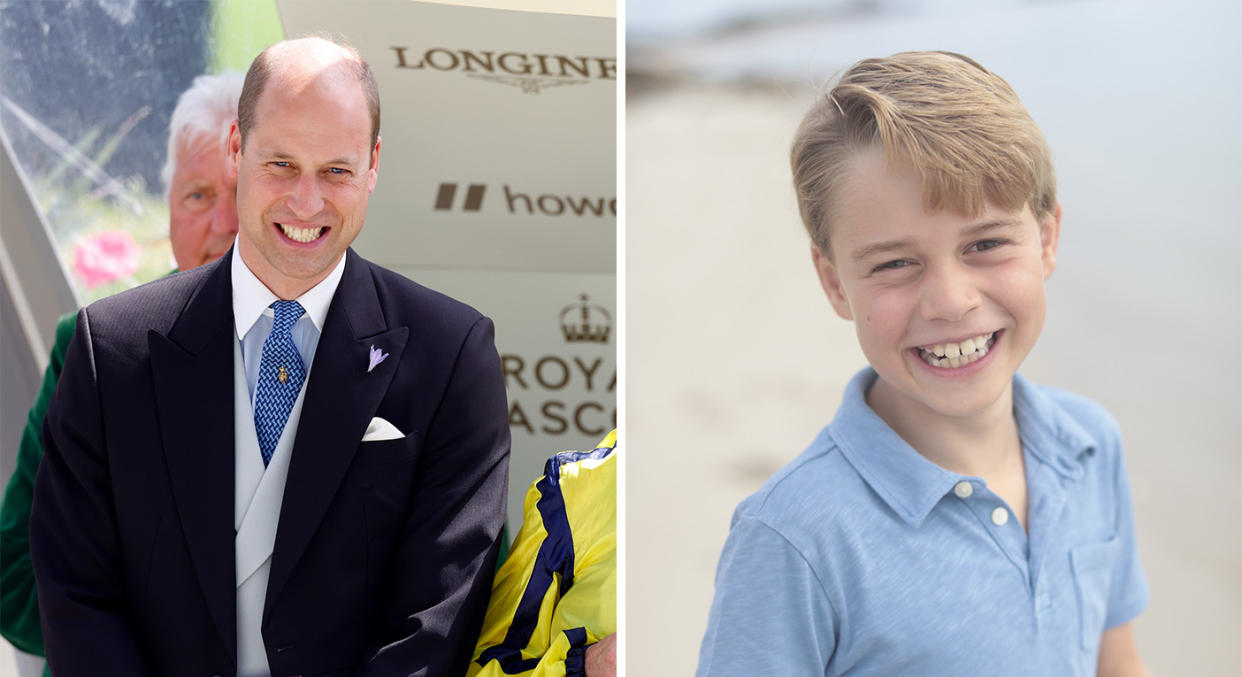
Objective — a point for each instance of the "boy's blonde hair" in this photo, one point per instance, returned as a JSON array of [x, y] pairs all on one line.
[[959, 125]]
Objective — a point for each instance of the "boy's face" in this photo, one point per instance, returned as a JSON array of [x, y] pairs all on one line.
[[916, 283]]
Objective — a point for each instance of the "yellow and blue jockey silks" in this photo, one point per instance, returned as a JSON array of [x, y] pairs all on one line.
[[556, 594]]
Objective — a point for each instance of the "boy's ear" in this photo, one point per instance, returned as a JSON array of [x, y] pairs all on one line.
[[831, 282], [1049, 234]]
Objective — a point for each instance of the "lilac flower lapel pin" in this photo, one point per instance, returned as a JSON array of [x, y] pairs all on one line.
[[377, 356]]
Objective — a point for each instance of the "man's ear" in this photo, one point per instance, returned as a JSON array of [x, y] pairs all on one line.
[[233, 151], [1049, 235], [831, 282], [373, 172]]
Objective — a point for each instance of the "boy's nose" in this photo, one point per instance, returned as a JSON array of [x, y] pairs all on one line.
[[949, 295]]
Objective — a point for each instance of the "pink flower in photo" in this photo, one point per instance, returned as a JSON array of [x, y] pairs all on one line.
[[104, 257]]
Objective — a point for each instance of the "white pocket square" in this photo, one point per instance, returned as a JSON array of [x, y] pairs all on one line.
[[379, 429]]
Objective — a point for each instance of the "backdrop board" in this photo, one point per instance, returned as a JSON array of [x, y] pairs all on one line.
[[498, 187]]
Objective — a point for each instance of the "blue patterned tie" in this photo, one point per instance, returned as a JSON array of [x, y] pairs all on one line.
[[280, 378]]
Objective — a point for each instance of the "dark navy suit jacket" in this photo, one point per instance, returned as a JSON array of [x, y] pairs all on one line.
[[385, 550]]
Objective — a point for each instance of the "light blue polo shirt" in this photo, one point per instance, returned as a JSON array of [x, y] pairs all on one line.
[[861, 557]]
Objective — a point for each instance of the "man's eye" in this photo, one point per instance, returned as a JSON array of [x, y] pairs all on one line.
[[197, 201], [891, 265], [339, 171], [281, 163]]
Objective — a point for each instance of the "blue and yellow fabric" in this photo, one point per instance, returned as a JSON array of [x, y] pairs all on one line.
[[556, 594]]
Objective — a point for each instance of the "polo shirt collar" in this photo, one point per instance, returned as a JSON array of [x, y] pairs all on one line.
[[912, 485], [251, 297], [909, 483], [1048, 431]]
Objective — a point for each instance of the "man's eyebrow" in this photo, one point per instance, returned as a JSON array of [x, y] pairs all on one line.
[[283, 156]]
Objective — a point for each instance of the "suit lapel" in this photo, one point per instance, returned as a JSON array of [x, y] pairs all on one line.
[[192, 369], [341, 398]]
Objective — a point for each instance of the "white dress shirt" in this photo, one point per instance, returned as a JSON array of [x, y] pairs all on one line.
[[259, 489], [252, 318]]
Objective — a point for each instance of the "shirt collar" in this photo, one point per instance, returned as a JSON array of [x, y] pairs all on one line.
[[251, 297], [912, 485], [1048, 431], [909, 483]]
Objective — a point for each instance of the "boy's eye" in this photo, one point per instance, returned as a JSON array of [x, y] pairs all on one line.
[[891, 265], [984, 245]]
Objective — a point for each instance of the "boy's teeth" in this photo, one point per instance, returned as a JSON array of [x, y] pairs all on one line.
[[300, 234], [952, 355]]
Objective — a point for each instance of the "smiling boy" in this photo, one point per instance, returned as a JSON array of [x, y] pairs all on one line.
[[953, 518]]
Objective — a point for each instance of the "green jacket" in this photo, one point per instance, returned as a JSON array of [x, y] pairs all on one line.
[[19, 605]]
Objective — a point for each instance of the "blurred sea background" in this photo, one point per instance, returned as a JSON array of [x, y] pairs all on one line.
[[735, 360]]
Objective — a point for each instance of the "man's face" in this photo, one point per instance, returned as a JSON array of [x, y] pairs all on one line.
[[202, 210], [303, 180], [918, 284]]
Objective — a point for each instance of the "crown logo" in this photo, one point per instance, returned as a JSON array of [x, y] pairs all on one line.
[[586, 330]]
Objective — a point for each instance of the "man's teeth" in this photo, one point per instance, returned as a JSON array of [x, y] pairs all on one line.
[[957, 354], [301, 234]]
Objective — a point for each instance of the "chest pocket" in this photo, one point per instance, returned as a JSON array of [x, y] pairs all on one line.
[[1093, 571], [385, 472]]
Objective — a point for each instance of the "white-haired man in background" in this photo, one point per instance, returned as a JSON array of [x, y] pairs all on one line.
[[202, 221], [202, 204]]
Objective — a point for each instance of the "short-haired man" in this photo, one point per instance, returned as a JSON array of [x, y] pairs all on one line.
[[202, 221], [291, 461]]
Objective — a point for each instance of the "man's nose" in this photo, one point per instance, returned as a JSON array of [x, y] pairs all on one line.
[[949, 293], [306, 200]]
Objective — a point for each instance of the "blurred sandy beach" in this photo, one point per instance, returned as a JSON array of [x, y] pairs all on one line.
[[735, 359]]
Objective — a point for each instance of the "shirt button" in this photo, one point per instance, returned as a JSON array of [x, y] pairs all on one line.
[[1000, 516], [963, 489]]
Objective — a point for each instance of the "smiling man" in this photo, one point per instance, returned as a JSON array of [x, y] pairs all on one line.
[[308, 472]]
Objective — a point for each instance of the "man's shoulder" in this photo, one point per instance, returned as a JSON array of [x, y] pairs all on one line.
[[584, 471], [154, 305], [407, 301]]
